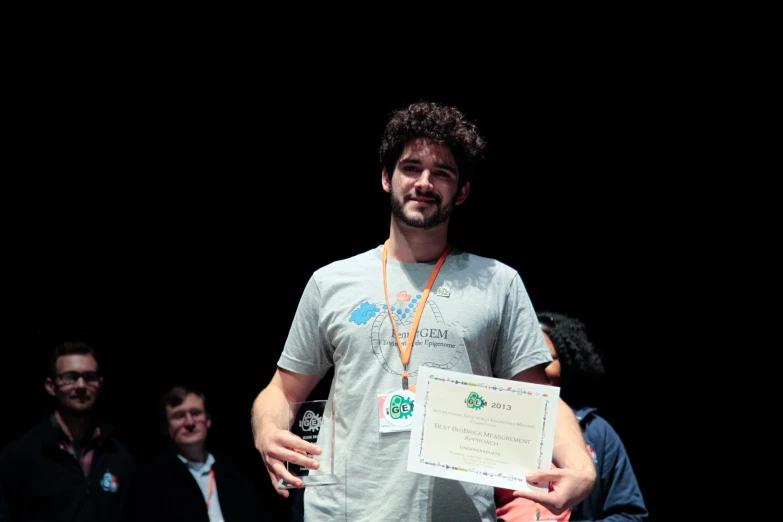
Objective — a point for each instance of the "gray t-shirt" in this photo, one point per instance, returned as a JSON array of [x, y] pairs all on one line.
[[478, 319]]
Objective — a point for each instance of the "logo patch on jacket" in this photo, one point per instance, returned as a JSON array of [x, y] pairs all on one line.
[[109, 482], [592, 454]]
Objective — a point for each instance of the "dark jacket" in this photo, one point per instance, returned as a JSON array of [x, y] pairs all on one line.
[[4, 516], [43, 482], [168, 492], [616, 496]]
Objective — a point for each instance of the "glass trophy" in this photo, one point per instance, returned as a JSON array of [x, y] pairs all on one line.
[[314, 422]]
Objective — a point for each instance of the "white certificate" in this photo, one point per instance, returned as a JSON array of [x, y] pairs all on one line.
[[482, 429]]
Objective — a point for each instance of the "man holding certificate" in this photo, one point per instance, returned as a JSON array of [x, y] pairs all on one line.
[[387, 317]]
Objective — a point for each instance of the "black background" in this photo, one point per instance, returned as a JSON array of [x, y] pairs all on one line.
[[173, 177]]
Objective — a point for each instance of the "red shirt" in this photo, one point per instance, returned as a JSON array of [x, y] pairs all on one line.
[[515, 509]]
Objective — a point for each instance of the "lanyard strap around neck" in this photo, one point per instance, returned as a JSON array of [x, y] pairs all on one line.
[[211, 485], [405, 351]]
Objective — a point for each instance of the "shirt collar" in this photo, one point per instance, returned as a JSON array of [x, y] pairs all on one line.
[[61, 436], [199, 467]]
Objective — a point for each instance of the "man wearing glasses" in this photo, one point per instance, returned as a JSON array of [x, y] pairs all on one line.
[[187, 482], [69, 467]]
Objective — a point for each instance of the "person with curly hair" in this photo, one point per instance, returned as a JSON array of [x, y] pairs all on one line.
[[373, 319], [577, 365]]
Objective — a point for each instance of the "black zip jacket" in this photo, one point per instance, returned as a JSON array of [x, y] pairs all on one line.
[[43, 482]]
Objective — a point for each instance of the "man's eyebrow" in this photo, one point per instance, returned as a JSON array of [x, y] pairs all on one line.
[[442, 166]]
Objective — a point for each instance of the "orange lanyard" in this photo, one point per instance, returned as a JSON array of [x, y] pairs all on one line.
[[211, 484], [405, 352]]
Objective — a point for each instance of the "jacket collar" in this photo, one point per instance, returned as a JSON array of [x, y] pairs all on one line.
[[582, 414], [199, 467], [52, 433]]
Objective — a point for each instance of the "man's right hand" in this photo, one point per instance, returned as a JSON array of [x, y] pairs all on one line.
[[272, 410], [280, 446]]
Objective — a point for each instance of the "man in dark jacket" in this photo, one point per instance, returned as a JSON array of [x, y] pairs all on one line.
[[189, 483], [69, 467]]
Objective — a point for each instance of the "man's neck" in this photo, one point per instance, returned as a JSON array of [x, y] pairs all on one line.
[[74, 426], [195, 453], [415, 245]]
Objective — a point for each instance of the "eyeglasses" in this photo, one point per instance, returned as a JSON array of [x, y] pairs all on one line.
[[194, 412], [72, 377]]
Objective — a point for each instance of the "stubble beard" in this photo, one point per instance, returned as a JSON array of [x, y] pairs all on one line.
[[76, 409], [440, 215]]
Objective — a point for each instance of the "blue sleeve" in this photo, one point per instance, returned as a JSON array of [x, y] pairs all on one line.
[[622, 497]]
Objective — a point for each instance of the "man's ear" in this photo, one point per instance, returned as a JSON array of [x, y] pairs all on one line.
[[49, 385], [463, 193], [385, 180], [209, 421]]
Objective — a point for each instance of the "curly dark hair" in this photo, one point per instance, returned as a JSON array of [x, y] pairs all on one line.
[[574, 350], [434, 123]]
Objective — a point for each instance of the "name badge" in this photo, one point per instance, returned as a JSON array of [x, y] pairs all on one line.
[[395, 411]]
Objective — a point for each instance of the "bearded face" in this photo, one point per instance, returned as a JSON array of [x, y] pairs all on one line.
[[424, 188]]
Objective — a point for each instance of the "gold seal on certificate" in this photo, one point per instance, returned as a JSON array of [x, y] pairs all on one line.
[[482, 429], [314, 422]]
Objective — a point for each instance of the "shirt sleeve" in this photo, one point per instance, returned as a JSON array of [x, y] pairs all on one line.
[[520, 344], [307, 349], [623, 500]]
